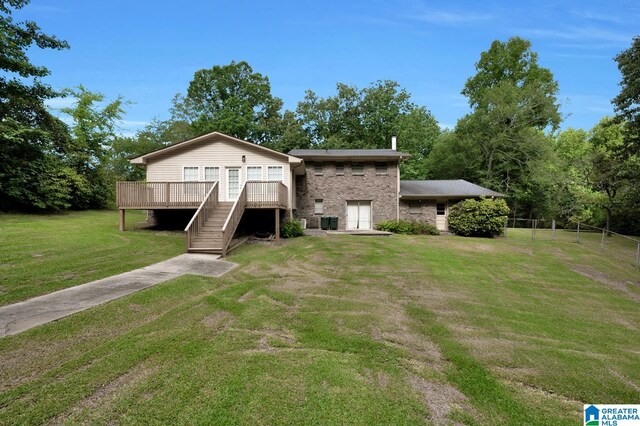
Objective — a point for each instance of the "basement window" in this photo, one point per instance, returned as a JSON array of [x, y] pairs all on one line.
[[357, 169], [318, 168], [339, 168], [415, 207], [381, 169]]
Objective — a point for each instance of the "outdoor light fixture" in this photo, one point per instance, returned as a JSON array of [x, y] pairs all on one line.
[[244, 158]]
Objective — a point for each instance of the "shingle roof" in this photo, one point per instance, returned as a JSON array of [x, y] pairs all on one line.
[[347, 153], [444, 188]]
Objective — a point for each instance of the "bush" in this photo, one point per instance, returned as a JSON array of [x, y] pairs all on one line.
[[411, 227], [291, 229], [478, 218]]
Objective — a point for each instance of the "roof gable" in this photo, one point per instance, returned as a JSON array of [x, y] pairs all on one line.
[[210, 138]]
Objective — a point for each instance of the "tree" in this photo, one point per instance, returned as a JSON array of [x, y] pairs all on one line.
[[513, 103], [231, 99], [608, 176], [93, 132], [32, 175], [627, 103], [367, 119]]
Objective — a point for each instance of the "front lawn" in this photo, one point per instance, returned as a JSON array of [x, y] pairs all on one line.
[[43, 253], [345, 329]]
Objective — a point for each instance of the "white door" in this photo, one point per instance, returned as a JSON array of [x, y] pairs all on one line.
[[233, 183], [358, 214], [441, 215]]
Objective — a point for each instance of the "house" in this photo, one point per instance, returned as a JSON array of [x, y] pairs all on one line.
[[358, 186], [430, 200], [220, 179]]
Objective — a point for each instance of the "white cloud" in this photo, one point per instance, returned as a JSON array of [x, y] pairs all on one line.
[[580, 34], [449, 18]]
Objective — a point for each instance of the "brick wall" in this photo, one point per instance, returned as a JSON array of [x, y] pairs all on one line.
[[335, 190], [427, 211]]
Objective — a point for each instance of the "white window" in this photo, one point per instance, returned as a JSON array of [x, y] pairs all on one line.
[[339, 168], [381, 169], [357, 168], [190, 174], [212, 173], [275, 173], [318, 168], [318, 207], [254, 172], [415, 207]]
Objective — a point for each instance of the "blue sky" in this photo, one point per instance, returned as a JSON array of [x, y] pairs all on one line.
[[147, 51]]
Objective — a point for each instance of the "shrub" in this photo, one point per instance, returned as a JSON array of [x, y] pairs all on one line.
[[408, 227], [291, 229], [478, 218]]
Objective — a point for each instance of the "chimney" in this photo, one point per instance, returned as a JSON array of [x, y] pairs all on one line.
[[394, 145]]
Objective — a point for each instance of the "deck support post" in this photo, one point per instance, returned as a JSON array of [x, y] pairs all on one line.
[[121, 219], [277, 225]]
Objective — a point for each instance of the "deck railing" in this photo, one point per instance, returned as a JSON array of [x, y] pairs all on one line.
[[271, 194], [203, 213], [230, 225], [147, 195]]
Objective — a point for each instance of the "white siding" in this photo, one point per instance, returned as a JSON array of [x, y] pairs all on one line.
[[220, 153]]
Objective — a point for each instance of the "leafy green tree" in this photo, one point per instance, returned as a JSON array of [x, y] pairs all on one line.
[[453, 157], [367, 119], [93, 132], [608, 170], [513, 103], [32, 141], [627, 103], [231, 99]]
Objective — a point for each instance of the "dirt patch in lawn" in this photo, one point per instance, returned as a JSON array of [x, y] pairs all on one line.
[[218, 321], [603, 278], [106, 394], [440, 398]]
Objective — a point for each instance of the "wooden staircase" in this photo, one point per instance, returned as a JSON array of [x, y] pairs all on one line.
[[209, 238]]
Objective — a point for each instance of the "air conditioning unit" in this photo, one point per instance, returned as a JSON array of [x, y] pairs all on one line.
[[303, 222]]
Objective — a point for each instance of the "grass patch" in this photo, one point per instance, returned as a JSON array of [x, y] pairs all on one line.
[[344, 329], [44, 253]]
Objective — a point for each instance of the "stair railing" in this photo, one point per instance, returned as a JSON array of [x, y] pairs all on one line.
[[203, 213], [233, 219]]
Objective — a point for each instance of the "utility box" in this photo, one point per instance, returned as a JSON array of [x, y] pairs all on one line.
[[334, 223], [325, 222]]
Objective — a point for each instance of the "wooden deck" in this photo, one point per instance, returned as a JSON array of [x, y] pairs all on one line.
[[189, 195]]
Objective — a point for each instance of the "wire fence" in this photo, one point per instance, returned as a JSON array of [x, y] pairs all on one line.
[[591, 237]]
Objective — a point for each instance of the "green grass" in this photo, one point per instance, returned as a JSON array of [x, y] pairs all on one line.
[[43, 253], [345, 330]]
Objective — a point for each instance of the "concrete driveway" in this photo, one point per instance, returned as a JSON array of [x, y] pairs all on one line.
[[43, 309]]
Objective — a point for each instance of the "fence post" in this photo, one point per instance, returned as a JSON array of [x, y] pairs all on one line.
[[534, 223], [602, 242], [553, 230], [578, 234], [638, 257], [506, 226]]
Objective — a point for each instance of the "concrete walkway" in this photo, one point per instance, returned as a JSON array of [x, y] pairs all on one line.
[[43, 309]]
